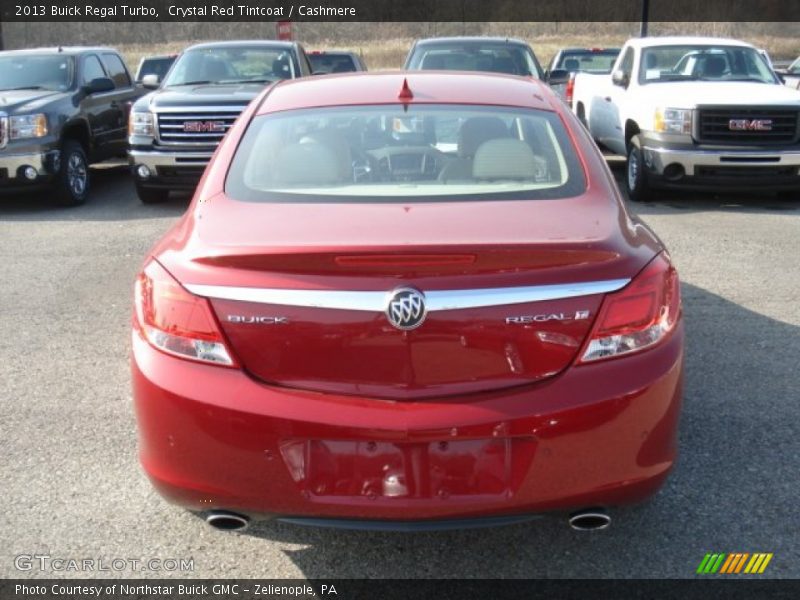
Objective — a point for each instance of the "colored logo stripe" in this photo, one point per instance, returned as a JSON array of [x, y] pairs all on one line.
[[734, 563]]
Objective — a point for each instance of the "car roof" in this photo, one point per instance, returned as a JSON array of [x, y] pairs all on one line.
[[446, 87], [68, 50], [686, 41], [236, 43], [475, 39]]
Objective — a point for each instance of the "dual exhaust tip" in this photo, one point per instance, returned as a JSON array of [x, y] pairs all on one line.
[[589, 520], [582, 520], [227, 521]]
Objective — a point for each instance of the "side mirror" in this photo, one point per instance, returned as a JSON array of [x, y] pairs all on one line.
[[150, 81], [620, 78], [558, 77], [99, 85]]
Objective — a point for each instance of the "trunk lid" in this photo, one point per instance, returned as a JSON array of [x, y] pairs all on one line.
[[511, 289]]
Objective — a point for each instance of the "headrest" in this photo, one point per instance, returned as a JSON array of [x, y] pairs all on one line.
[[476, 131], [714, 66], [504, 159], [308, 163]]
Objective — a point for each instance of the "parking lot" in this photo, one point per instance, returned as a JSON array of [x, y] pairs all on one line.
[[73, 487]]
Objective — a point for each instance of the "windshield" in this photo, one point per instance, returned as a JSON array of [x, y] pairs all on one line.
[[238, 64], [703, 63], [512, 59], [794, 68], [45, 72], [588, 61], [391, 153]]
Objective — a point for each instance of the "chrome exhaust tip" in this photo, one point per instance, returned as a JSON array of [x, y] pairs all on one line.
[[227, 521], [589, 520]]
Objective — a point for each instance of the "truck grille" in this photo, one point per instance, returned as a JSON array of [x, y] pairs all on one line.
[[196, 129], [768, 125], [3, 131]]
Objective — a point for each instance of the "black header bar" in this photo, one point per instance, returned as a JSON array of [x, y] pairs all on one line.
[[400, 10]]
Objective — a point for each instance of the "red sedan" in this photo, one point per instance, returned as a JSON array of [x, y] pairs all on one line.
[[407, 300]]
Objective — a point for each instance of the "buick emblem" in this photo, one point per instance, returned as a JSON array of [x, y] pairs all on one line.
[[750, 124], [406, 308]]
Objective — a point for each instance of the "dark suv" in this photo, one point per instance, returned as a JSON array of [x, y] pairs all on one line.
[[60, 110], [174, 131]]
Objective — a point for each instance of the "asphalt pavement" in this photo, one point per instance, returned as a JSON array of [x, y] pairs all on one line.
[[72, 487]]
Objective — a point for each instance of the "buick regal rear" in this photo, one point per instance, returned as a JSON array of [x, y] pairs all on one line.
[[407, 301]]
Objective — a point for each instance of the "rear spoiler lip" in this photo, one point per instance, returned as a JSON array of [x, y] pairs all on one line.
[[437, 300]]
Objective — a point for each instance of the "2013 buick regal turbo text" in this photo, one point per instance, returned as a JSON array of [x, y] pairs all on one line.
[[407, 300]]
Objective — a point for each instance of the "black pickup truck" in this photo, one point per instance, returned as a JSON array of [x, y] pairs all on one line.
[[175, 130], [60, 110]]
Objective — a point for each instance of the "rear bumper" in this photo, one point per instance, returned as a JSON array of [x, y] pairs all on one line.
[[169, 169], [674, 165], [597, 435]]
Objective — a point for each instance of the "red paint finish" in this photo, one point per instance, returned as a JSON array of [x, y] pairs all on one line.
[[335, 413], [456, 352]]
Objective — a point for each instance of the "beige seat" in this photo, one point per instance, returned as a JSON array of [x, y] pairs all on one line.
[[504, 159], [473, 133], [308, 163]]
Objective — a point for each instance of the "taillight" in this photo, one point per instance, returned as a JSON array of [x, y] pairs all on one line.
[[570, 91], [175, 321], [638, 316]]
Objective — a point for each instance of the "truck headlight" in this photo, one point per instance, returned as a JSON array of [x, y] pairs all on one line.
[[673, 120], [27, 126], [140, 123]]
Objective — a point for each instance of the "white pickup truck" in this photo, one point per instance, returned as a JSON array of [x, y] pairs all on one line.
[[694, 112]]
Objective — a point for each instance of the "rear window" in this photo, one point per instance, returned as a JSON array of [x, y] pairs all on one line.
[[155, 66], [590, 61], [332, 63], [393, 153]]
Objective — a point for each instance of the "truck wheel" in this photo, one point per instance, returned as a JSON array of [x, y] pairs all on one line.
[[151, 195], [72, 181], [635, 176]]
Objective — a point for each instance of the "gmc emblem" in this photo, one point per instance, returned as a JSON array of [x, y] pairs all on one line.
[[204, 127], [750, 125]]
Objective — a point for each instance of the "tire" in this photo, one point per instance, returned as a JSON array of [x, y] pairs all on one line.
[[72, 181], [151, 195], [635, 176]]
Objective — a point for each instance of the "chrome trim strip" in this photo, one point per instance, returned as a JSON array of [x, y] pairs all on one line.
[[189, 110], [434, 300]]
